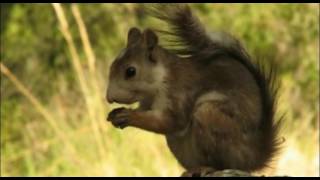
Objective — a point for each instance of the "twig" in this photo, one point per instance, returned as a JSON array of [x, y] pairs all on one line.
[[84, 37], [78, 68], [35, 102], [90, 57]]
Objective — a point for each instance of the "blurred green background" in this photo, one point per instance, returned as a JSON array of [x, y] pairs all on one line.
[[54, 71]]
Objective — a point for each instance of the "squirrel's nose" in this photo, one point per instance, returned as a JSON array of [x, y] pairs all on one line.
[[109, 98]]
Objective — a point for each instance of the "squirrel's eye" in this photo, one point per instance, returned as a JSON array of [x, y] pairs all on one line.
[[130, 72]]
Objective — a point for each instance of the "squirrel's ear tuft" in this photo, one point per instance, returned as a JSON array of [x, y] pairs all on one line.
[[151, 39], [134, 35]]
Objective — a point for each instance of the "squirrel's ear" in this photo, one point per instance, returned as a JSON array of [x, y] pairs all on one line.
[[151, 38], [134, 35]]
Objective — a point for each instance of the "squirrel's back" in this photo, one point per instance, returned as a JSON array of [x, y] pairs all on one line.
[[223, 55]]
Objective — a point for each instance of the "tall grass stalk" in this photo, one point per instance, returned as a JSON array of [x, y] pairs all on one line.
[[93, 76], [64, 27]]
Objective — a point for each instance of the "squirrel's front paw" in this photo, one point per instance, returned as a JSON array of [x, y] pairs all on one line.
[[120, 117]]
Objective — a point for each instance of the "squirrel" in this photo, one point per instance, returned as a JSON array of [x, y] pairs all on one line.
[[214, 105]]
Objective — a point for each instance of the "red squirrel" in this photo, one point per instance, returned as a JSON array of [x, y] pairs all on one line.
[[214, 105]]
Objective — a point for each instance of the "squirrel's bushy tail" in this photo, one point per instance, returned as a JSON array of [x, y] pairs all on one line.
[[192, 40], [185, 28]]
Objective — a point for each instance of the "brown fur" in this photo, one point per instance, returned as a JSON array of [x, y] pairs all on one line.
[[237, 131]]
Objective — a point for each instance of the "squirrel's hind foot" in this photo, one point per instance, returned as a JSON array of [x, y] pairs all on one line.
[[211, 172], [198, 172]]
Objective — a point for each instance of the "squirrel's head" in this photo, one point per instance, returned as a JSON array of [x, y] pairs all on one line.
[[137, 71]]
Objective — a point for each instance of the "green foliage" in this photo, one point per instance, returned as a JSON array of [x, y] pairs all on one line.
[[34, 49]]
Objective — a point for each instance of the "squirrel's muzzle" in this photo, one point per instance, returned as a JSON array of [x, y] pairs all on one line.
[[110, 95], [109, 98], [120, 95]]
